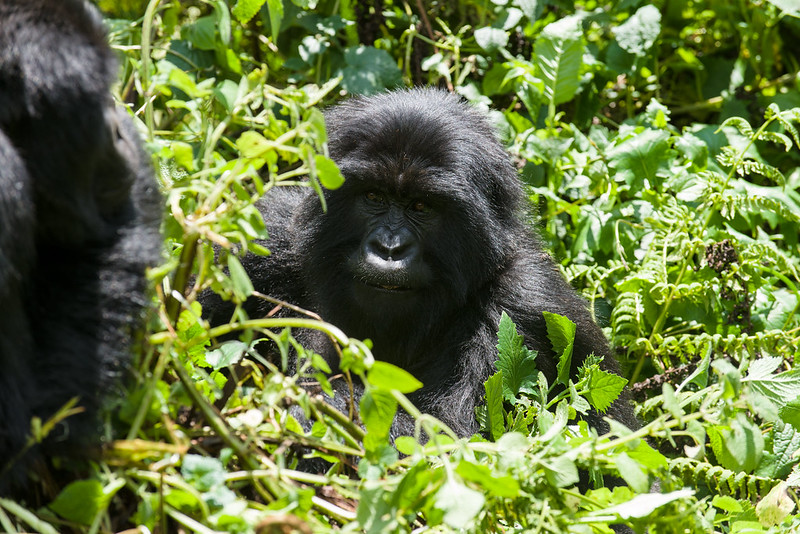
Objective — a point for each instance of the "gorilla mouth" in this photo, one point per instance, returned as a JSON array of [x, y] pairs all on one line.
[[392, 288]]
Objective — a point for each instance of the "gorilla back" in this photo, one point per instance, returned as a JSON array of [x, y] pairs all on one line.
[[421, 250], [79, 215]]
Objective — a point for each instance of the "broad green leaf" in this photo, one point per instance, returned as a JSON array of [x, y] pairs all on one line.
[[81, 501], [727, 503], [369, 71], [561, 472], [377, 409], [604, 388], [776, 506], [738, 447], [253, 145], [561, 333], [495, 415], [502, 486], [244, 10], [226, 354], [781, 388], [516, 361], [640, 158], [202, 33], [387, 376], [459, 503], [328, 173], [638, 34], [790, 413], [630, 470], [559, 57], [491, 39]]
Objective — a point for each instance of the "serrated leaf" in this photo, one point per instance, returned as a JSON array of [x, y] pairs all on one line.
[[387, 376], [559, 57], [604, 389], [516, 361], [790, 413], [781, 388], [495, 415], [244, 10], [561, 333]]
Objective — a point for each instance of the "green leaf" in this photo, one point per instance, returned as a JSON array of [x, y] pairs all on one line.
[[82, 500], [242, 286], [328, 172], [559, 57], [459, 503], [495, 415], [781, 388], [790, 413], [630, 470], [244, 10], [386, 376], [504, 487], [776, 506], [369, 71], [738, 447], [638, 34], [253, 145], [516, 361], [226, 354], [491, 39], [202, 33], [275, 10], [561, 333], [377, 409], [644, 505], [561, 472], [638, 160], [604, 388]]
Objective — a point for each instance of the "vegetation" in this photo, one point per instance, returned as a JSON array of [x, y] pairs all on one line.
[[659, 142]]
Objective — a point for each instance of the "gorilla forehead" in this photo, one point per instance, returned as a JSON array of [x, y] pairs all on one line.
[[420, 140]]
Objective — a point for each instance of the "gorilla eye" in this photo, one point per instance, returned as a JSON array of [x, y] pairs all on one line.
[[372, 196], [420, 206]]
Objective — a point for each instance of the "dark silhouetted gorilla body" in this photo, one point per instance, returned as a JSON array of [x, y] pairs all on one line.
[[421, 250], [79, 214]]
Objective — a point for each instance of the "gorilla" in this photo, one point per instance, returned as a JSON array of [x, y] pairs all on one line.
[[421, 250], [79, 224]]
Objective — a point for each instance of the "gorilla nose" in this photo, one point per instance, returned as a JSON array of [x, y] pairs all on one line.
[[391, 247]]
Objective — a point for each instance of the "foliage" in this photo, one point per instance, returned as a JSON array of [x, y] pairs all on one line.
[[659, 143]]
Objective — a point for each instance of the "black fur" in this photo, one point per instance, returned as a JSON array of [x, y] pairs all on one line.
[[79, 215], [463, 256]]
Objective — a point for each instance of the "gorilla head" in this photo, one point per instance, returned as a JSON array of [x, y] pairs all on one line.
[[424, 221]]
